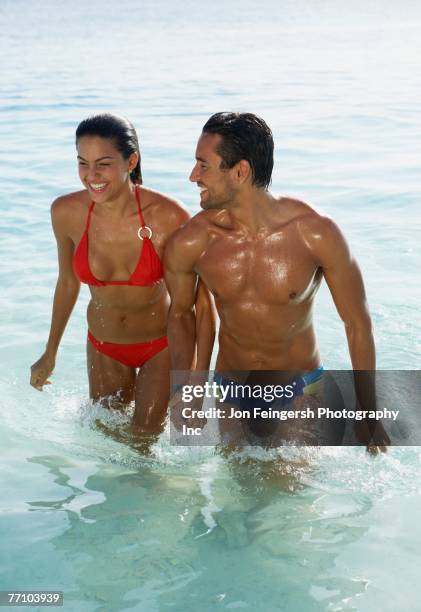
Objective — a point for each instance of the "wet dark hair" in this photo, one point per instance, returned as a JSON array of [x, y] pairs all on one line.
[[244, 136], [119, 130]]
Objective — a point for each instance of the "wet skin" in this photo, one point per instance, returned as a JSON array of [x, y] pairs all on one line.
[[120, 314], [264, 287], [263, 258]]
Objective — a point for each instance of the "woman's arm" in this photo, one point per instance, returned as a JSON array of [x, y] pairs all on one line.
[[65, 295]]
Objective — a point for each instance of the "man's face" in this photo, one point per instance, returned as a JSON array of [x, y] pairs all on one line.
[[217, 187]]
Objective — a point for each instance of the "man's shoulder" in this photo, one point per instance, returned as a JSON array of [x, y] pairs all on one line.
[[189, 241], [308, 218], [319, 232], [195, 228]]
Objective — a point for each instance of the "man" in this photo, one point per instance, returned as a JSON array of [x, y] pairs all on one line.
[[263, 258]]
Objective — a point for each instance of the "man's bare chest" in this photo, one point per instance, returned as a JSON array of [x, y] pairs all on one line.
[[271, 270]]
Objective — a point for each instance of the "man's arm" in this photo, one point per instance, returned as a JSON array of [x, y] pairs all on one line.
[[205, 326], [344, 279], [191, 321], [188, 326]]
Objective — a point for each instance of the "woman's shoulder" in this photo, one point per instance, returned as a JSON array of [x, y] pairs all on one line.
[[67, 212], [159, 201], [70, 204], [162, 210]]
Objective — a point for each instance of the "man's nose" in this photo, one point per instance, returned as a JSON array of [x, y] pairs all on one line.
[[194, 175]]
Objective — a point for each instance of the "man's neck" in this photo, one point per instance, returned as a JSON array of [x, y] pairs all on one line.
[[251, 212]]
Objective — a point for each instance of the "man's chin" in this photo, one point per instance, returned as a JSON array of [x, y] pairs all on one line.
[[209, 205], [206, 205]]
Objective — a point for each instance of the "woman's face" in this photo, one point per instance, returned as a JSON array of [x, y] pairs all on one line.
[[102, 168]]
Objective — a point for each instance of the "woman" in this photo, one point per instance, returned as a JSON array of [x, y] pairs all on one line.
[[112, 235]]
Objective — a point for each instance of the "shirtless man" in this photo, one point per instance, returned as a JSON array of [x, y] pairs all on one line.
[[263, 258]]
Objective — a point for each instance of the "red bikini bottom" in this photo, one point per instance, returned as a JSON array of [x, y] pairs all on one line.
[[131, 355]]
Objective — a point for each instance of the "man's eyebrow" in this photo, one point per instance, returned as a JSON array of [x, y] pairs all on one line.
[[97, 160], [201, 160]]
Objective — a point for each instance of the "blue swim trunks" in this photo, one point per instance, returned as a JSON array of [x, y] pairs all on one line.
[[239, 394]]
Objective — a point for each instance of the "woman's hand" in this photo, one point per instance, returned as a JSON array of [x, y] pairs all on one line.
[[41, 370]]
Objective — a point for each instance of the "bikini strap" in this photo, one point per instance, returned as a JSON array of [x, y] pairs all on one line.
[[88, 218], [143, 228], [139, 210]]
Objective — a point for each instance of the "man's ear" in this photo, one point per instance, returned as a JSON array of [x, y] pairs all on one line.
[[243, 171]]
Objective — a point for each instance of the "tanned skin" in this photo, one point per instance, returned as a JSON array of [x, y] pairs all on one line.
[[263, 258], [121, 314]]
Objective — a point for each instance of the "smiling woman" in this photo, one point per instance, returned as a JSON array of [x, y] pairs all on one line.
[[112, 236]]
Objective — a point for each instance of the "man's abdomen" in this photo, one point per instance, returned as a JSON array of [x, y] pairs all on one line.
[[262, 337]]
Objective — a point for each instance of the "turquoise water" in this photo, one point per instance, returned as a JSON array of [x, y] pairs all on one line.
[[185, 529]]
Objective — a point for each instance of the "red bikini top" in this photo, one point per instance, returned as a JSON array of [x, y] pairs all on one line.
[[148, 269]]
